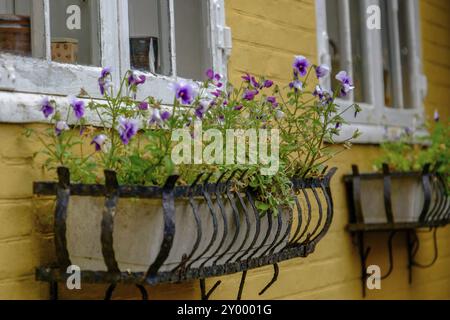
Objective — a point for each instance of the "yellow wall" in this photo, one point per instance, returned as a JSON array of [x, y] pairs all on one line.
[[266, 36]]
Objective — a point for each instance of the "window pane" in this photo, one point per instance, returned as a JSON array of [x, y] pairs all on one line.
[[406, 53], [150, 36], [357, 50], [15, 27], [192, 43], [334, 40], [387, 61], [75, 31]]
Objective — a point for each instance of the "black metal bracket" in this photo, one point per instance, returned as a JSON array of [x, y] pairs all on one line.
[[435, 213]]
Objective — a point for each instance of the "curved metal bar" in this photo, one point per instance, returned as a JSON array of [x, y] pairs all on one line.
[[319, 221], [247, 227], [257, 226], [286, 233], [168, 203], [109, 291], [391, 256], [426, 185], [276, 272], [217, 191], [143, 291], [205, 295], [308, 221], [271, 247], [197, 222], [235, 218], [109, 211], [435, 257], [214, 220], [62, 203], [444, 200], [299, 216], [439, 201], [387, 194], [241, 285]]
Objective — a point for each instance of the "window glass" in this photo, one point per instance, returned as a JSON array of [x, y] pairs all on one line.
[[193, 54], [405, 52], [15, 27], [150, 36], [75, 31], [387, 61], [334, 41], [357, 50]]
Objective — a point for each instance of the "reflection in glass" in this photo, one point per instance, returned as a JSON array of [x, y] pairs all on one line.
[[191, 37], [387, 61], [15, 27], [334, 40], [75, 31], [149, 36]]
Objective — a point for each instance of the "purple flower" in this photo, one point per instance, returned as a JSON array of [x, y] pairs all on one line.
[[61, 126], [249, 95], [297, 85], [46, 107], [246, 77], [106, 71], [143, 106], [436, 116], [322, 71], [319, 93], [272, 101], [77, 106], [210, 74], [346, 83], [268, 83], [255, 83], [217, 93], [99, 141], [156, 117], [127, 128], [184, 92], [408, 131], [221, 118], [301, 65], [238, 107], [135, 80], [165, 115], [338, 125]]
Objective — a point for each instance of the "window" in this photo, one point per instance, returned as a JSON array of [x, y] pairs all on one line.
[[56, 47], [385, 62]]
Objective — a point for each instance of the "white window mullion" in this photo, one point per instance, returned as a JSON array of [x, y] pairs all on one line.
[[109, 40], [124, 36], [173, 51], [369, 46], [394, 45], [221, 42], [40, 29], [414, 59], [322, 42], [345, 37]]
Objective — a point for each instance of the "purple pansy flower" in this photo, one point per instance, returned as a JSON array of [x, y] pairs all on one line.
[[322, 71], [246, 77], [165, 115], [210, 74], [301, 65], [319, 93], [201, 109], [103, 82], [346, 83], [184, 92], [297, 85], [436, 116], [46, 107], [61, 126], [143, 106], [77, 106], [238, 107], [99, 141], [255, 83], [338, 125], [106, 71], [272, 101], [268, 83], [217, 93], [249, 95], [127, 128], [134, 79]]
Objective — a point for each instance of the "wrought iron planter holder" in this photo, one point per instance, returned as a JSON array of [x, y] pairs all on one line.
[[430, 212], [235, 223]]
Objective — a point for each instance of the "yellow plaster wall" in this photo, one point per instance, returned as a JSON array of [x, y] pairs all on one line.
[[266, 36]]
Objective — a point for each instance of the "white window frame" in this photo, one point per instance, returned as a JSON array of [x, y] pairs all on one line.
[[24, 80], [376, 121]]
